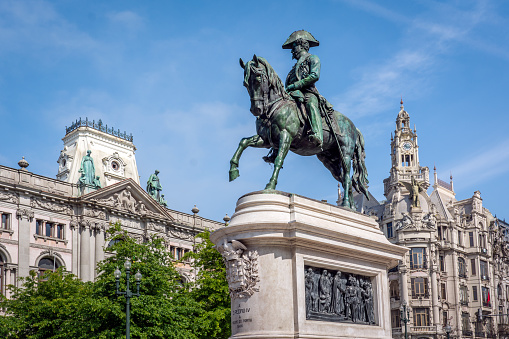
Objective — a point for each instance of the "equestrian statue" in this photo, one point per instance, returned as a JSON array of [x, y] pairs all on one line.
[[296, 117]]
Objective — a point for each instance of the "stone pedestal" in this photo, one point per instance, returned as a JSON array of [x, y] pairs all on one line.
[[271, 243]]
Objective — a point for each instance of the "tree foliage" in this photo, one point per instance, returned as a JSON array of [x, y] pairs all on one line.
[[61, 306]]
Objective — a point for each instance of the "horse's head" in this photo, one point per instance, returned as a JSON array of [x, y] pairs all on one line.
[[257, 83], [263, 85]]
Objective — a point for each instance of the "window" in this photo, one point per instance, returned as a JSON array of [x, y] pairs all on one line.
[[420, 288], [390, 233], [395, 318], [463, 295], [484, 270], [472, 266], [39, 224], [465, 322], [6, 221], [460, 240], [471, 238], [462, 268], [444, 318], [486, 298], [499, 291], [47, 264], [474, 293], [49, 229], [442, 263], [394, 289], [418, 258], [421, 317], [443, 291], [439, 230]]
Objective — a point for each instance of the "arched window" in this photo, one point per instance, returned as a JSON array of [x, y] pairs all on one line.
[[47, 264], [462, 268], [113, 242]]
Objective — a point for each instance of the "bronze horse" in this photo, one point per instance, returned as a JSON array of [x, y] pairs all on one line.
[[281, 127]]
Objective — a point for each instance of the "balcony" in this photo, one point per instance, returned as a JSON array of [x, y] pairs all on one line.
[[467, 333], [464, 303], [480, 335]]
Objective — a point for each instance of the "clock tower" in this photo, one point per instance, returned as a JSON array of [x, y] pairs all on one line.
[[404, 157]]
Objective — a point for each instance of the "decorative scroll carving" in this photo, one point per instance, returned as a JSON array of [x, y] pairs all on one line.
[[96, 214], [430, 220], [24, 213], [241, 269], [9, 197], [338, 297], [51, 206]]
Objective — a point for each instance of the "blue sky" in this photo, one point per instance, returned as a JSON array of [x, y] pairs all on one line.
[[168, 72]]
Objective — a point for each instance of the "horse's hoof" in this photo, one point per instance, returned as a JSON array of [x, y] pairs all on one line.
[[234, 174]]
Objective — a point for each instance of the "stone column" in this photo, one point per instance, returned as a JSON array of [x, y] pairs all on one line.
[[24, 216], [85, 251], [99, 246]]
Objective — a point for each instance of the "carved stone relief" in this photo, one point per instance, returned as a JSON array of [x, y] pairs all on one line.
[[181, 234], [241, 269], [96, 214], [51, 206], [156, 227], [338, 297], [125, 201], [9, 197]]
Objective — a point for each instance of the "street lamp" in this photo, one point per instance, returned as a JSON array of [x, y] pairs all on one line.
[[128, 294], [448, 330], [405, 316]]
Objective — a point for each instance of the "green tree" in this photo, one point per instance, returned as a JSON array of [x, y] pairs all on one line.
[[210, 289], [62, 306]]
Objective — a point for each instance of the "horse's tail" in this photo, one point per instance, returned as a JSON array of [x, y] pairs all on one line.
[[360, 173]]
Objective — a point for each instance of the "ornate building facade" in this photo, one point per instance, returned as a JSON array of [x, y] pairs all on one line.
[[456, 271], [47, 223]]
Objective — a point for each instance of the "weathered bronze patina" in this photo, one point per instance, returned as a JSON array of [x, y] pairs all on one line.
[[282, 125]]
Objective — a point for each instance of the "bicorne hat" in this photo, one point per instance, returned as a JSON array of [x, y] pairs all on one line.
[[302, 34]]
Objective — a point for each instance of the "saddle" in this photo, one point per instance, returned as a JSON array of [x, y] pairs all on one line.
[[326, 111]]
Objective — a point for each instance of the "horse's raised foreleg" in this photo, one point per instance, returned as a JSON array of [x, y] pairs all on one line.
[[254, 141], [285, 141]]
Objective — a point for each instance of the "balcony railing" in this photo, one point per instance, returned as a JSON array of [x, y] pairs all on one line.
[[480, 335], [467, 333], [421, 329]]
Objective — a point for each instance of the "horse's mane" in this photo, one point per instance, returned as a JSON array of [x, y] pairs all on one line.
[[274, 79]]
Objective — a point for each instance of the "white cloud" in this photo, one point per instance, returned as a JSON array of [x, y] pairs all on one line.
[[127, 19], [484, 165]]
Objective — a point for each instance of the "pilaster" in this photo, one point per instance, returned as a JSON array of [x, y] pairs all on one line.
[[25, 217]]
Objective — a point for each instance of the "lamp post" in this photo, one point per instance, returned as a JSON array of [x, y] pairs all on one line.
[[405, 316], [128, 294], [448, 330]]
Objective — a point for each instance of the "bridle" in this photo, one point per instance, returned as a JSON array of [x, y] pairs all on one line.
[[266, 104]]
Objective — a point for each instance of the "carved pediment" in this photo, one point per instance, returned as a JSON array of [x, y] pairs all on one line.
[[127, 197]]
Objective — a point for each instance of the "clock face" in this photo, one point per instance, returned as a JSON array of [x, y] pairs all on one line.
[[407, 146]]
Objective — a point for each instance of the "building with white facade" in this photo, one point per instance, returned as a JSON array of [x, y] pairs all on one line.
[[47, 223]]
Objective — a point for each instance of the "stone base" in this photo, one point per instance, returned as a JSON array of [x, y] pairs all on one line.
[[272, 236]]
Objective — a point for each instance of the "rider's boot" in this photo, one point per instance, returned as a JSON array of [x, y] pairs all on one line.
[[315, 120]]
